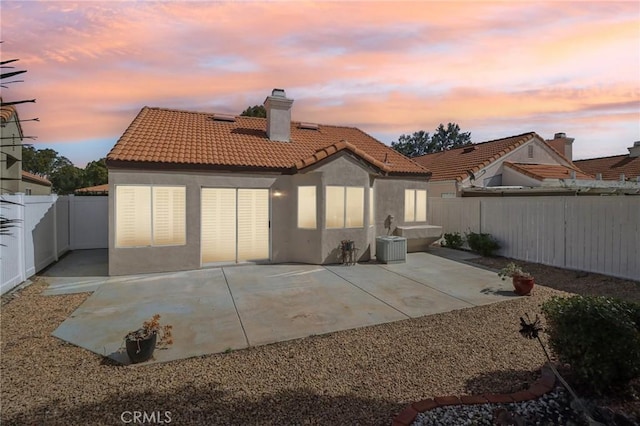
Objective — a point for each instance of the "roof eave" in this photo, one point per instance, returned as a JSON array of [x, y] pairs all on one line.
[[157, 165]]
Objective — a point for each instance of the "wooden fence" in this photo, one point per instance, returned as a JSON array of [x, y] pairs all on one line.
[[594, 234]]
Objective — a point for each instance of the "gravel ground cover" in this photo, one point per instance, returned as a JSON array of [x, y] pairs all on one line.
[[361, 376], [552, 409]]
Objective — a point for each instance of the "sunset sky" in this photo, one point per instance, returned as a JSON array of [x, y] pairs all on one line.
[[497, 69]]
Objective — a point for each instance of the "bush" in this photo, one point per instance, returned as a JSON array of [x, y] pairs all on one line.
[[598, 336], [482, 243], [453, 240]]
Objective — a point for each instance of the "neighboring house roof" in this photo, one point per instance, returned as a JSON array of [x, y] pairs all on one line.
[[557, 144], [453, 164], [98, 189], [612, 167], [30, 177], [547, 171], [193, 139], [7, 112]]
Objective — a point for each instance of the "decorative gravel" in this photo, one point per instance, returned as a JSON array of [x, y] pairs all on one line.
[[551, 409], [361, 376]]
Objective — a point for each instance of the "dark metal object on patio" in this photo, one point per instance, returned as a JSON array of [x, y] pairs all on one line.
[[348, 252]]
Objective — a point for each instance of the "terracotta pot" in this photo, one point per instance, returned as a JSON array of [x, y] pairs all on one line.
[[522, 285], [141, 350]]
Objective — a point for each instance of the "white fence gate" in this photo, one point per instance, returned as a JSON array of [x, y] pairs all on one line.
[[47, 227], [594, 234]]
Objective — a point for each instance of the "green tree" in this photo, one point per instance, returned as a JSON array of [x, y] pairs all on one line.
[[421, 143], [96, 173], [451, 137], [255, 111], [43, 162], [67, 179]]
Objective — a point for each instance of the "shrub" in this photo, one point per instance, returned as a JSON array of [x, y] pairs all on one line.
[[453, 240], [482, 243], [598, 336]]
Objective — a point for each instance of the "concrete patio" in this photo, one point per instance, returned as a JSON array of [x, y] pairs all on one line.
[[214, 310]]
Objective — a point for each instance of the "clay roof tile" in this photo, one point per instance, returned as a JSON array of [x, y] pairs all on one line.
[[182, 137]]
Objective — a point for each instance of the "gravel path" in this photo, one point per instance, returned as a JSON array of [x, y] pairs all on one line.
[[361, 376]]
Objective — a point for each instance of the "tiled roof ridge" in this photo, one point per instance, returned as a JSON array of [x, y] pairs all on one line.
[[245, 117], [602, 158], [143, 111], [520, 136], [530, 134], [389, 148], [525, 137], [334, 148], [33, 177], [527, 172]]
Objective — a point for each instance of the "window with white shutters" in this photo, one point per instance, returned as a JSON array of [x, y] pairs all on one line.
[[150, 215]]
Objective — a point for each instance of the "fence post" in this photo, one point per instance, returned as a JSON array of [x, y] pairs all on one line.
[[72, 219], [54, 205], [21, 237]]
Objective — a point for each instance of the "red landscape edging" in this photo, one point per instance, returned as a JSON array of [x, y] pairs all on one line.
[[543, 385]]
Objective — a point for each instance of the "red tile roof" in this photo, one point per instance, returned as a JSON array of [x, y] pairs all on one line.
[[94, 189], [6, 112], [547, 171], [454, 163], [35, 178], [612, 167], [186, 138]]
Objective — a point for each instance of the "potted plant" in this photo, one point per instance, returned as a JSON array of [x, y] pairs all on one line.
[[141, 343], [522, 281]]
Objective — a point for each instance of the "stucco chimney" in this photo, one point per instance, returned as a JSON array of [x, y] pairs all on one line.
[[562, 144], [278, 108], [634, 151]]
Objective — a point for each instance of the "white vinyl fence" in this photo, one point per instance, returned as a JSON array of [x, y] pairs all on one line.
[[594, 234], [47, 227]]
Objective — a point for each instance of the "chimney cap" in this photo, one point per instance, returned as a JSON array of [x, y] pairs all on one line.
[[560, 135], [279, 93]]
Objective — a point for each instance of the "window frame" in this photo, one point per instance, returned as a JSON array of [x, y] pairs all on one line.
[[372, 203], [417, 214], [345, 207], [314, 209], [152, 231]]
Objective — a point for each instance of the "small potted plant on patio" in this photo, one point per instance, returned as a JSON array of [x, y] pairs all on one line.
[[141, 343], [522, 281]]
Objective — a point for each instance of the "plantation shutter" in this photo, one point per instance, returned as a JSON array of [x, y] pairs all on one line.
[[218, 225], [409, 205], [335, 207], [133, 216], [354, 207], [253, 224], [421, 206], [169, 221]]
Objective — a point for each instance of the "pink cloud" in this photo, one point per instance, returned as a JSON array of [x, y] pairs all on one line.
[[387, 67]]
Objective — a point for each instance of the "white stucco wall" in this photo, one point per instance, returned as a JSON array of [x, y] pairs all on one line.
[[288, 243]]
